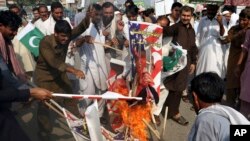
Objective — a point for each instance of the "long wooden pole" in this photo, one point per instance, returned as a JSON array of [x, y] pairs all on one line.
[[108, 46], [152, 129]]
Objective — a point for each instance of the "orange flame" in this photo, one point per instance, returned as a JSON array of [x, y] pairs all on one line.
[[132, 118]]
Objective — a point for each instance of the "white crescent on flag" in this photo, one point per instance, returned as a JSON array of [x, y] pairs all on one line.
[[31, 41]]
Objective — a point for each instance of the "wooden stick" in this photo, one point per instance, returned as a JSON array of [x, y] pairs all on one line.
[[152, 129], [126, 134], [153, 119], [53, 108], [108, 46], [47, 103], [165, 121], [56, 104]]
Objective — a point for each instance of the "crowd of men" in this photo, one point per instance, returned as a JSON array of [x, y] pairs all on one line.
[[74, 59]]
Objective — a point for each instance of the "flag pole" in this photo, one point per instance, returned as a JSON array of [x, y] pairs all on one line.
[[107, 97], [108, 46]]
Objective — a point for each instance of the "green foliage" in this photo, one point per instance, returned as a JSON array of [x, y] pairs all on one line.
[[33, 2]]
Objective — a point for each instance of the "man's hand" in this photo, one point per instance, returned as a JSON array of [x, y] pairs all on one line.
[[40, 93], [79, 74], [126, 43], [76, 72], [79, 41], [105, 33], [191, 69], [108, 42], [120, 25], [89, 39], [219, 19], [115, 42]]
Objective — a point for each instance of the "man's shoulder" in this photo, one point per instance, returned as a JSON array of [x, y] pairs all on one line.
[[48, 39], [212, 118], [236, 27], [38, 21]]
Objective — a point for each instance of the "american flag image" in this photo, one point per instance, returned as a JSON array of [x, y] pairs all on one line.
[[147, 37]]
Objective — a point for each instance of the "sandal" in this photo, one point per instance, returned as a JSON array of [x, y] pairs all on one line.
[[185, 99], [181, 120]]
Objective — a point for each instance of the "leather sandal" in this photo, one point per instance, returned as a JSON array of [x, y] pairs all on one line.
[[185, 99], [181, 120]]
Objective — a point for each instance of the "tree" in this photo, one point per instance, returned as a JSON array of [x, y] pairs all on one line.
[[33, 2]]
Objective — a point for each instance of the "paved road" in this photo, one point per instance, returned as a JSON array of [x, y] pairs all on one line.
[[27, 119]]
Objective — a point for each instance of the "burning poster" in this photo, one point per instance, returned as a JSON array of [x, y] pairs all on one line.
[[146, 40]]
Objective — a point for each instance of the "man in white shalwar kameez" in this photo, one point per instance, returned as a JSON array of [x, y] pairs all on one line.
[[93, 63], [210, 56], [44, 15]]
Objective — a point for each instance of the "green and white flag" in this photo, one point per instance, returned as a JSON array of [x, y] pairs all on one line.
[[30, 37]]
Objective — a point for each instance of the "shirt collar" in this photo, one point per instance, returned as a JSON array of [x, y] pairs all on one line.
[[190, 26], [53, 40]]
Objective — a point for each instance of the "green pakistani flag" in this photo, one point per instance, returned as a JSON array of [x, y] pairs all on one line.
[[30, 37]]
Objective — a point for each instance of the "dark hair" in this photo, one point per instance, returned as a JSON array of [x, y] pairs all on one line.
[[62, 26], [132, 9], [14, 6], [42, 5], [245, 13], [151, 10], [23, 13], [10, 19], [146, 12], [213, 6], [176, 4], [107, 5], [187, 9], [162, 17], [229, 8], [56, 5], [129, 2], [35, 9], [209, 87], [95, 6]]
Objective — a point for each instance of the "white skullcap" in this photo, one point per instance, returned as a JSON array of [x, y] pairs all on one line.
[[117, 12], [225, 12]]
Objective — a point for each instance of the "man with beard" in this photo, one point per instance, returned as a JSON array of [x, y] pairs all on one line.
[[211, 54], [183, 34], [107, 17], [93, 64], [213, 120], [56, 14]]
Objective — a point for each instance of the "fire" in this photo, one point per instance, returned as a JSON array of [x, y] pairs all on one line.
[[132, 118]]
